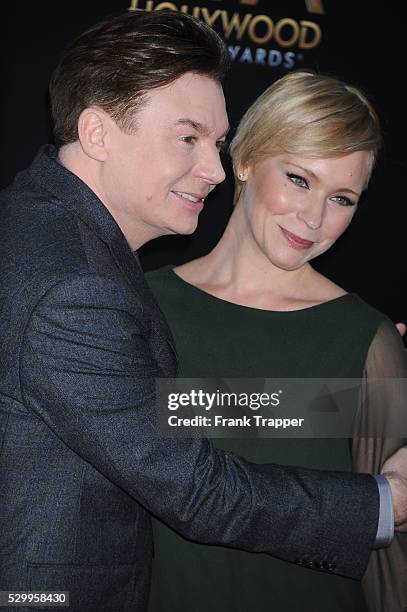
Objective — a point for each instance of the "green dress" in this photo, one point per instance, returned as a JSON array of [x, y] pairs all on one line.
[[216, 338]]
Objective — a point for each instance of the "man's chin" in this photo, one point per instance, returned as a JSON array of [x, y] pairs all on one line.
[[185, 229]]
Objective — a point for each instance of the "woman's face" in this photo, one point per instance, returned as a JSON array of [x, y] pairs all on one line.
[[297, 207]]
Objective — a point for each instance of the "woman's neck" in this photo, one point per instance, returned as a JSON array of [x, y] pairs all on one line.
[[237, 270]]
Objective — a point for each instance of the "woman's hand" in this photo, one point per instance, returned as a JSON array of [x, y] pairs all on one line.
[[402, 328]]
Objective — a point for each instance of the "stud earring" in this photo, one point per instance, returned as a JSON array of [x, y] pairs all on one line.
[[241, 176]]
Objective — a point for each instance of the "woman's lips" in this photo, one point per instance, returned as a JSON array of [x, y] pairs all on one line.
[[295, 241]]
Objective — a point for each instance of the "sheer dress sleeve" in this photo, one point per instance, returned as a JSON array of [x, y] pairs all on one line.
[[381, 429]]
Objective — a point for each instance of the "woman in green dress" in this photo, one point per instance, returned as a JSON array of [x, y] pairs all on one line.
[[255, 307]]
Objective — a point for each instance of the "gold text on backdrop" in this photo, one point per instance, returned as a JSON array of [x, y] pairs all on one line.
[[313, 6], [261, 29]]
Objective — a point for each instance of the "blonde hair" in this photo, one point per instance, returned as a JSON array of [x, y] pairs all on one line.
[[306, 114]]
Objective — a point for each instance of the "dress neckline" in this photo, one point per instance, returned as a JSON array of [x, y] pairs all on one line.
[[214, 299]]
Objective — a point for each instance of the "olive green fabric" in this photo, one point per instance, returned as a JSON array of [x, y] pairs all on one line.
[[217, 338]]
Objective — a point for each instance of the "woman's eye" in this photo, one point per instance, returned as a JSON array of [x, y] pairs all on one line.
[[298, 180], [343, 201]]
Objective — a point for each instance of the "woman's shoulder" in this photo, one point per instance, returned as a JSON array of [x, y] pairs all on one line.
[[161, 279], [170, 291], [160, 273], [326, 291], [351, 309], [364, 314]]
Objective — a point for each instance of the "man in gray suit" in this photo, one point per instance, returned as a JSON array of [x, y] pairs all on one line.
[[139, 119]]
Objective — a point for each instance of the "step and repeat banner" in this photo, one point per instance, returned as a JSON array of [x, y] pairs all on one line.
[[360, 42]]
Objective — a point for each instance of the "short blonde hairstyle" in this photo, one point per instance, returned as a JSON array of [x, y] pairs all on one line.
[[306, 114]]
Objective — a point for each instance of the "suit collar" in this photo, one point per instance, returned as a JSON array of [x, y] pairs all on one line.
[[75, 196]]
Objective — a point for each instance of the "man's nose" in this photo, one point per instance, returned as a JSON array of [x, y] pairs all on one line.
[[210, 167]]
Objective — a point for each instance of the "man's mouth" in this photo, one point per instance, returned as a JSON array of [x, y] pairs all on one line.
[[190, 197]]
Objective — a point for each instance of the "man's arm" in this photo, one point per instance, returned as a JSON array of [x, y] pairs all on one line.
[[86, 369]]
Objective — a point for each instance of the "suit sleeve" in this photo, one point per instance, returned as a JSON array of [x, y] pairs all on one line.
[[86, 370]]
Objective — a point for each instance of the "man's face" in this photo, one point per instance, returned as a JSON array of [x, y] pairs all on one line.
[[154, 181]]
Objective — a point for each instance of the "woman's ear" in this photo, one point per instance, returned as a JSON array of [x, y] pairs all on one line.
[[242, 172]]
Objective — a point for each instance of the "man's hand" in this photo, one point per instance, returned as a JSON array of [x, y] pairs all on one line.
[[395, 470]]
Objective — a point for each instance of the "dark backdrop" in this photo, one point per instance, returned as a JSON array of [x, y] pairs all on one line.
[[361, 42]]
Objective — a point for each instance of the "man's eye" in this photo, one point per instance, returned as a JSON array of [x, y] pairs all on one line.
[[188, 139], [343, 201], [298, 180]]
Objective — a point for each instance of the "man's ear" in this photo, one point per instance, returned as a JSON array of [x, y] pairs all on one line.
[[93, 127]]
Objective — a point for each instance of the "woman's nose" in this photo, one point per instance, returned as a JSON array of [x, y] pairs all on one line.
[[313, 215]]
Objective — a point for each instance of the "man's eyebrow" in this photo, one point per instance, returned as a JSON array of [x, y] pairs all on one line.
[[198, 127]]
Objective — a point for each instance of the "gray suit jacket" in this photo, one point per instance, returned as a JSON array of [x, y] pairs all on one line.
[[82, 466]]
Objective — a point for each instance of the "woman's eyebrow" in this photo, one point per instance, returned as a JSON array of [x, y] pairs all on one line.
[[315, 177]]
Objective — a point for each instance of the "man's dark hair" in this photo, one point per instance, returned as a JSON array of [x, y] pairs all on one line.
[[116, 62]]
